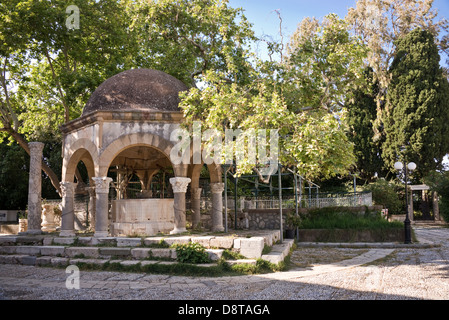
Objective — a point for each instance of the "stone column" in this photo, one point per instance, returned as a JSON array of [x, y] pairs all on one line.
[[101, 206], [35, 188], [179, 186], [195, 201], [68, 209], [91, 207], [217, 206]]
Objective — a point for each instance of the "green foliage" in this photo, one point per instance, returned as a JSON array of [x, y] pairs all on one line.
[[339, 218], [417, 109], [439, 182], [386, 193], [191, 253], [362, 113]]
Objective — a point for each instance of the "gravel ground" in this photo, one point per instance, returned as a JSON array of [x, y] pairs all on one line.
[[404, 274]]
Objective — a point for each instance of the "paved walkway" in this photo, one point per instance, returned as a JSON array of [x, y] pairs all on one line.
[[407, 273]]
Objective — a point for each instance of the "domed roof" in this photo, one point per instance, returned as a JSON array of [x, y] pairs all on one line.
[[137, 89]]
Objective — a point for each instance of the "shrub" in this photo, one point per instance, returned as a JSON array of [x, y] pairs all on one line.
[[385, 194], [191, 253]]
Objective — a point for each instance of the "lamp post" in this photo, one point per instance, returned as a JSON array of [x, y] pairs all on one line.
[[411, 166]]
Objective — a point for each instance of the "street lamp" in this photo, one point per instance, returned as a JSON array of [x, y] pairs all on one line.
[[409, 167]]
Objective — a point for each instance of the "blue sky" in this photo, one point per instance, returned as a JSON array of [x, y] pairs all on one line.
[[261, 12]]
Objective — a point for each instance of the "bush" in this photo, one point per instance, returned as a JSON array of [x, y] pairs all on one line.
[[337, 218], [191, 253], [439, 182], [386, 194]]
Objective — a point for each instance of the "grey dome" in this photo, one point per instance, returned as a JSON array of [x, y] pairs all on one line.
[[137, 89]]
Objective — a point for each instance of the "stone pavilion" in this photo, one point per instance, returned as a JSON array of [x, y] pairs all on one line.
[[125, 126]]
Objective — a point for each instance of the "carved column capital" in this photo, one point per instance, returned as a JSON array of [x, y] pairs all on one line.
[[179, 184], [217, 187], [196, 193], [68, 188], [102, 184]]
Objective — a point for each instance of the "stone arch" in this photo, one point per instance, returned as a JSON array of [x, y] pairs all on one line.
[[81, 150], [132, 140]]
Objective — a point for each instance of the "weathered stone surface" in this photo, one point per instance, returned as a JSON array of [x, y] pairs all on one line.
[[28, 250], [222, 242], [89, 261], [177, 240], [164, 253], [52, 250], [129, 262], [10, 259], [65, 240], [30, 240], [153, 241], [129, 242], [140, 253], [110, 241], [28, 260], [215, 254], [204, 241], [8, 249], [43, 261], [7, 240], [60, 262], [92, 252], [85, 240], [252, 247], [115, 251]]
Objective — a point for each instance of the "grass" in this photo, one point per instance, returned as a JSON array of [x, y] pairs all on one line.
[[333, 218]]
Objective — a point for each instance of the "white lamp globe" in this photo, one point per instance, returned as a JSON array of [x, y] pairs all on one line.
[[411, 166], [398, 166]]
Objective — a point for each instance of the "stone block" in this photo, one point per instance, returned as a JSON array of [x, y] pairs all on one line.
[[204, 240], [177, 240], [91, 252], [48, 241], [164, 253], [153, 241], [129, 242], [52, 250], [109, 241], [115, 252], [11, 259], [28, 250], [129, 262], [222, 242], [140, 253], [30, 240], [85, 240], [252, 247], [147, 262], [43, 261], [63, 240], [8, 249], [59, 262], [28, 260], [99, 262], [7, 240], [215, 254]]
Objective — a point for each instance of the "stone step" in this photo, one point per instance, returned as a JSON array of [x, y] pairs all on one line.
[[279, 252]]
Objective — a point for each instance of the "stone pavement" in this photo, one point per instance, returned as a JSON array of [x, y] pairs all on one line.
[[378, 273]]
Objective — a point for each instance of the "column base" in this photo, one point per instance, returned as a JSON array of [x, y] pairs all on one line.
[[101, 234], [177, 231], [217, 229], [67, 233]]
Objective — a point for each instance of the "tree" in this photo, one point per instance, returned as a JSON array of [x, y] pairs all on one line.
[[301, 97], [417, 108], [48, 70], [362, 114]]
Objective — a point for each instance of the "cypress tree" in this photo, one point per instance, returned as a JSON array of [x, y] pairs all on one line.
[[416, 116], [362, 113]]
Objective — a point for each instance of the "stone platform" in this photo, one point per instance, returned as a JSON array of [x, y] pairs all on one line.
[[62, 251]]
